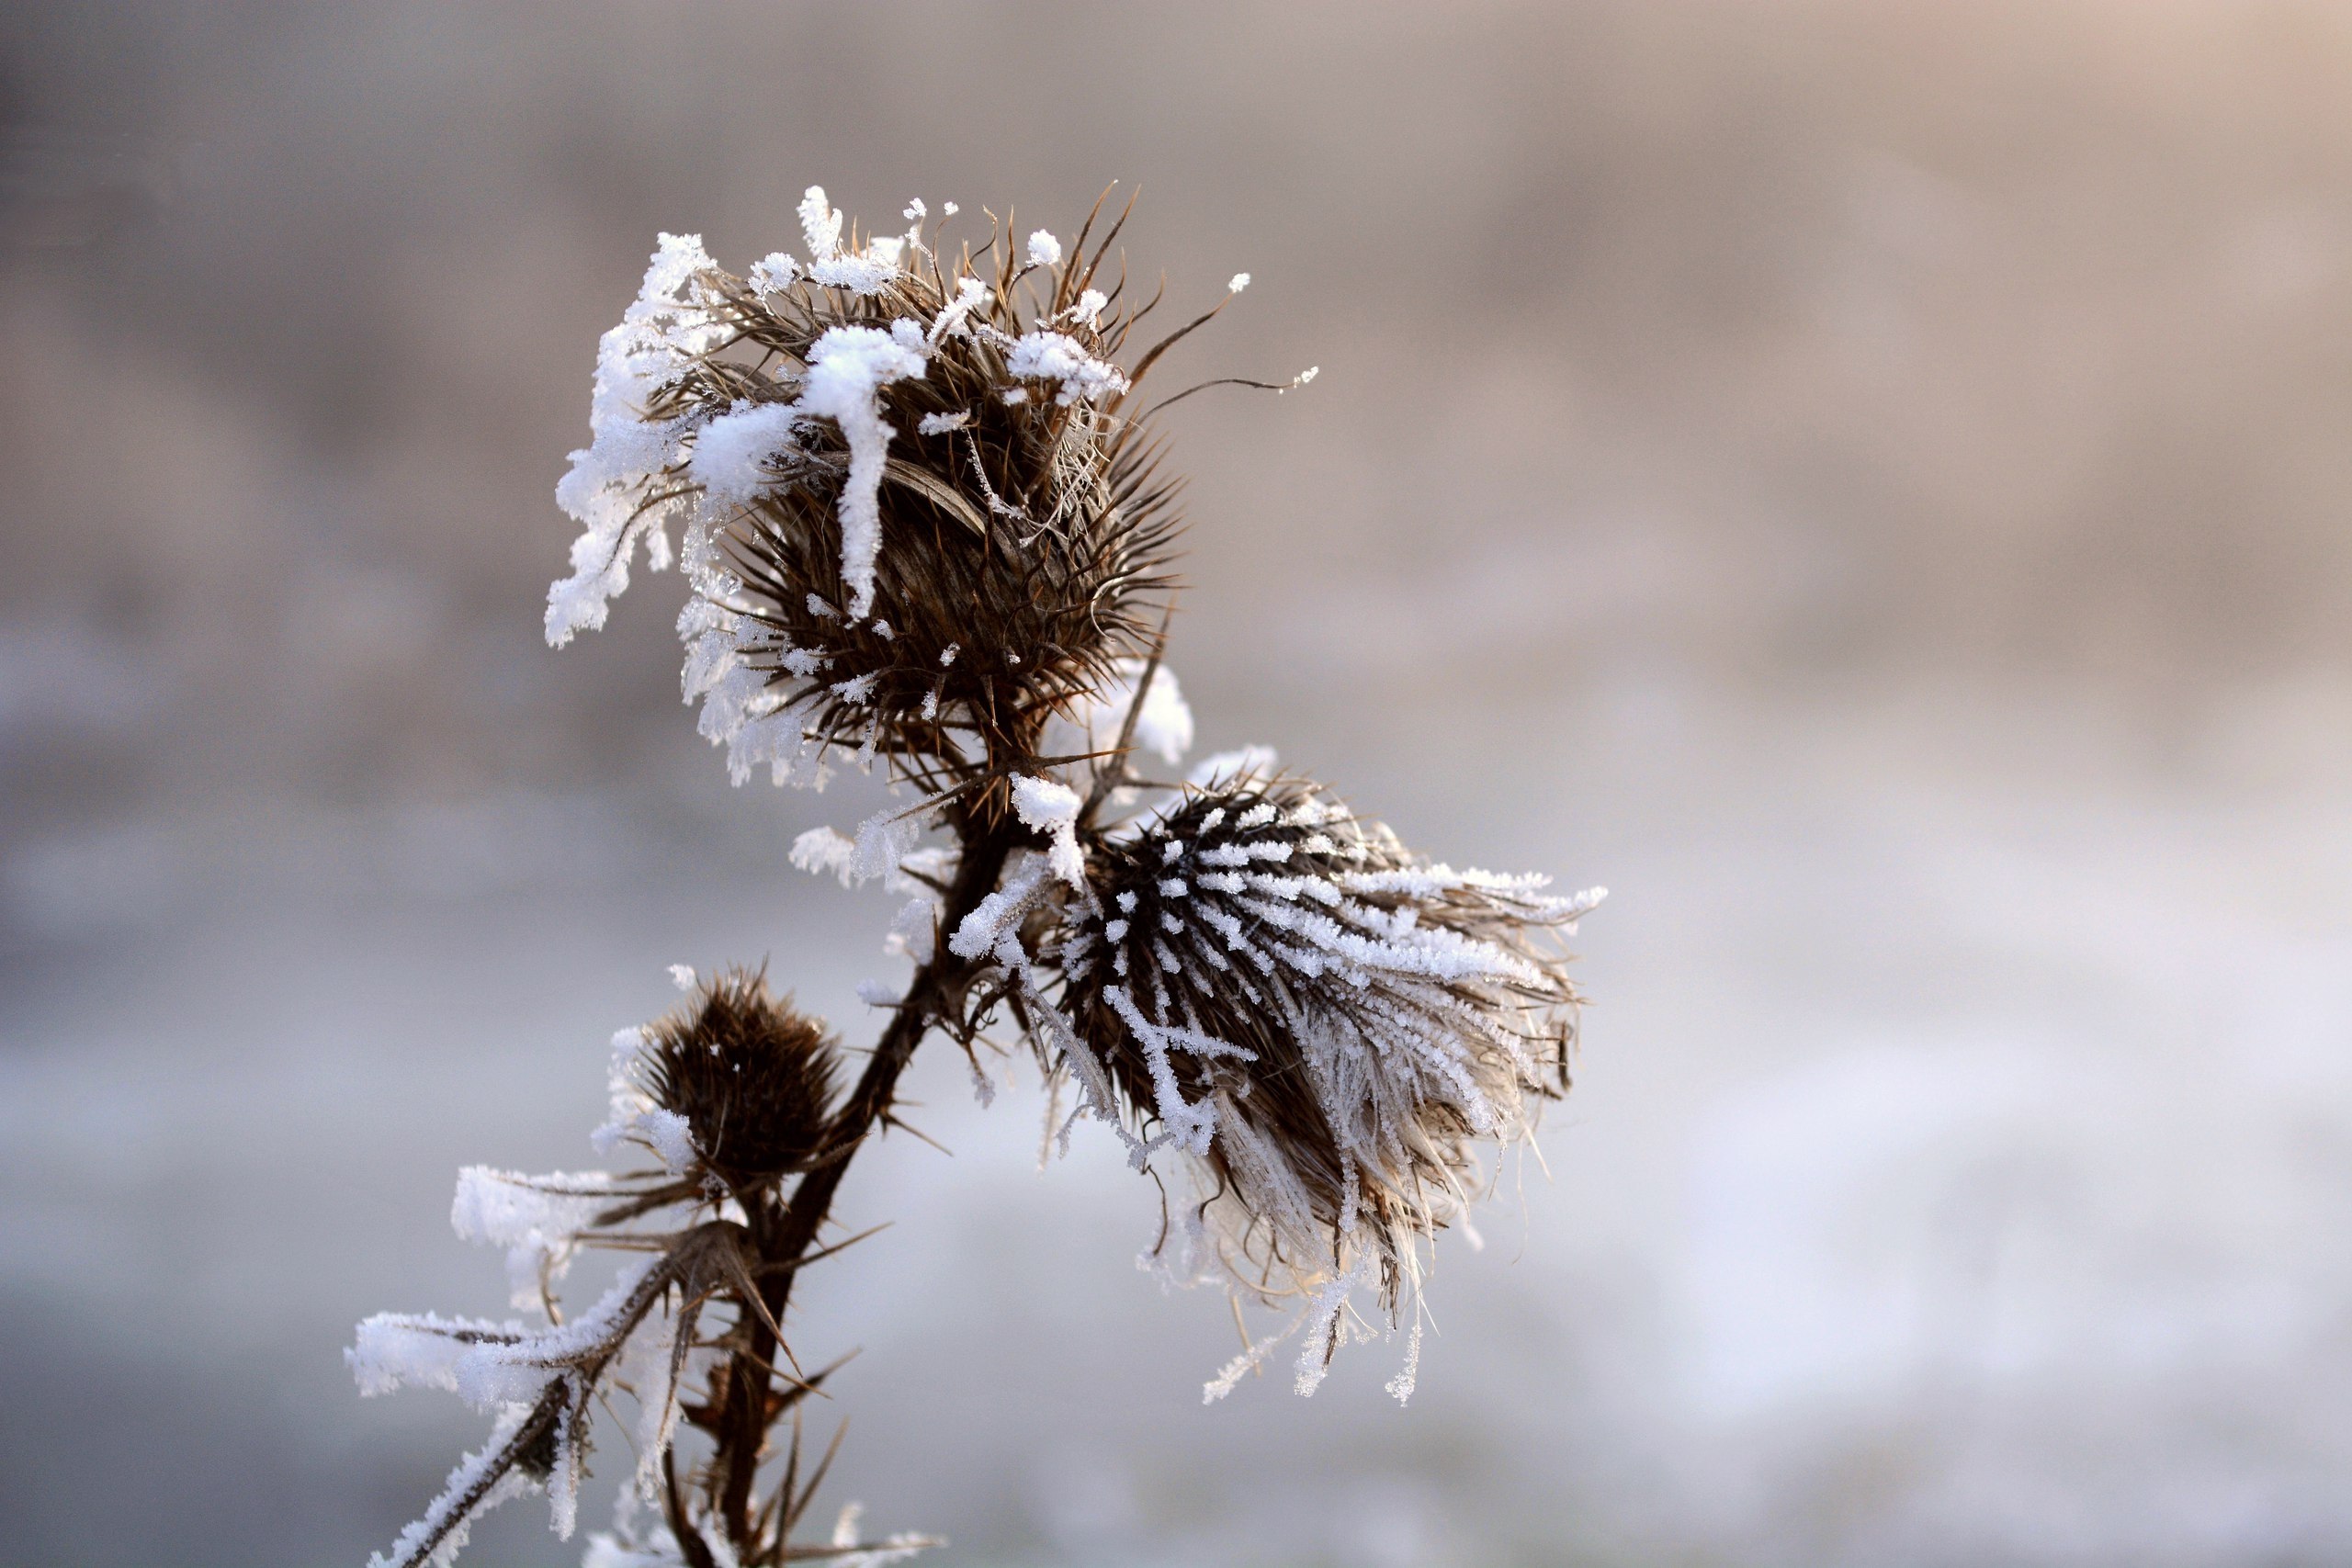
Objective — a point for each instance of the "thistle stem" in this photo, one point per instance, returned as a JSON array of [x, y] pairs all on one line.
[[783, 1235]]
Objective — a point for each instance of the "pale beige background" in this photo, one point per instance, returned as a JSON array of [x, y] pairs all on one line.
[[1867, 482]]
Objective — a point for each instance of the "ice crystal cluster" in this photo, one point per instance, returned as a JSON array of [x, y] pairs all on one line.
[[918, 516]]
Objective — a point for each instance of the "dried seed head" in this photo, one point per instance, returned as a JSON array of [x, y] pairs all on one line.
[[920, 519], [1326, 1023], [753, 1077]]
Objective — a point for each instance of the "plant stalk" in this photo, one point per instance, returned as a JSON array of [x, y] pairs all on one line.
[[784, 1235]]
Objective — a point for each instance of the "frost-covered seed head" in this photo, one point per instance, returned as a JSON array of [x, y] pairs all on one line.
[[754, 1077], [1324, 1023], [880, 435]]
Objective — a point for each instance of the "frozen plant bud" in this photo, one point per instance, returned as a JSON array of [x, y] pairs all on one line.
[[1044, 249], [753, 1077], [876, 441], [1323, 1023]]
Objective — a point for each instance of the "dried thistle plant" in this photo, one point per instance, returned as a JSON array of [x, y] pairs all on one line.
[[922, 530]]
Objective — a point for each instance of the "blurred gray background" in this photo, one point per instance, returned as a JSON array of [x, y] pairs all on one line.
[[1865, 482]]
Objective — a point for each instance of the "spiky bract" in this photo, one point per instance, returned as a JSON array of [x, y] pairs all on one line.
[[1324, 1021]]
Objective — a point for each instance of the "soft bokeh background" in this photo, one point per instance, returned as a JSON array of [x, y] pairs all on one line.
[[1865, 482]]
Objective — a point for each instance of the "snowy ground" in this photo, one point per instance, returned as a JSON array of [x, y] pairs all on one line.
[[1958, 1173]]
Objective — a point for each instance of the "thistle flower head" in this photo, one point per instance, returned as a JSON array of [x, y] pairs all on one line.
[[921, 520], [1323, 1022], [751, 1078]]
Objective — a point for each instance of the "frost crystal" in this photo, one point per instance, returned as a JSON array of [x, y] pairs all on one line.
[[774, 273], [970, 295], [1052, 809], [393, 1350], [659, 336], [821, 226], [731, 453], [867, 273], [913, 933], [1163, 725], [671, 1139], [1054, 356], [820, 850], [534, 1218], [846, 371], [471, 1491]]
